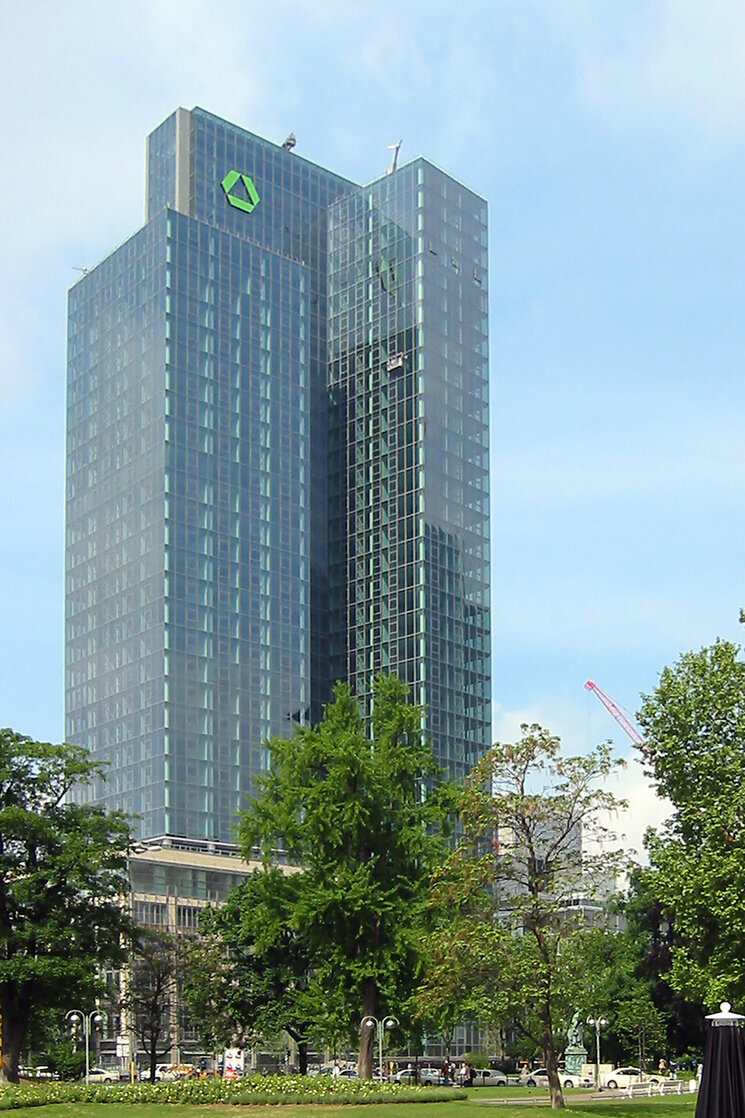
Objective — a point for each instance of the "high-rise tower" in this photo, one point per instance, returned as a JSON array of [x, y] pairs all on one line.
[[277, 467]]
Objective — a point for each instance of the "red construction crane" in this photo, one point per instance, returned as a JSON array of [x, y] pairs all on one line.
[[627, 726]]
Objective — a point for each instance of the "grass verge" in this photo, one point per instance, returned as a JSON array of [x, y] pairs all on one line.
[[296, 1097]]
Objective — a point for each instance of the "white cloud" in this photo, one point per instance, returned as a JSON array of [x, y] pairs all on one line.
[[645, 808]]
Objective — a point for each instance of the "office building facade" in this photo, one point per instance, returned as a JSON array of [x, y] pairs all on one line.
[[277, 468]]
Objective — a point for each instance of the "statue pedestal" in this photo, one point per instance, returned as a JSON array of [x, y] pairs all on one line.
[[575, 1055]]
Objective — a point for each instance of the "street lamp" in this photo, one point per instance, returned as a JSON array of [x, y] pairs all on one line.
[[380, 1026], [597, 1023], [89, 1021]]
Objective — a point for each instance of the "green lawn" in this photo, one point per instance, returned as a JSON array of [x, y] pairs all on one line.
[[670, 1107]]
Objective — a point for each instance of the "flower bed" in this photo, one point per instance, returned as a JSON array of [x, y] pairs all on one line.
[[250, 1090]]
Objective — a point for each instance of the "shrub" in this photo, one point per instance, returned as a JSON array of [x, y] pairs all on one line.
[[251, 1089]]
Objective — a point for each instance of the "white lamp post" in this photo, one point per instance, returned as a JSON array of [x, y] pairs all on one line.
[[597, 1023], [89, 1021], [380, 1026]]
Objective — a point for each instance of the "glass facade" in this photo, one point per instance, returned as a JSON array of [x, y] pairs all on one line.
[[279, 368], [115, 671], [409, 450]]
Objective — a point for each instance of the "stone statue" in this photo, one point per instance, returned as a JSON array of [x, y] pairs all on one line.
[[575, 1053], [576, 1032]]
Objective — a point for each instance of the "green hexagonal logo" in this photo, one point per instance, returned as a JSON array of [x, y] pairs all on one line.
[[251, 200]]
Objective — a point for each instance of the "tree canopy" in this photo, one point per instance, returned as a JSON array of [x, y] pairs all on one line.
[[62, 877], [623, 990], [694, 739], [513, 890], [694, 746], [643, 971], [356, 804], [247, 974]]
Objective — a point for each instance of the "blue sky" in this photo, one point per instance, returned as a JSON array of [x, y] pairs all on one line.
[[608, 140]]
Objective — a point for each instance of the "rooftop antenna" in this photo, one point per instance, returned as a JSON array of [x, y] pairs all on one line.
[[290, 142], [395, 148]]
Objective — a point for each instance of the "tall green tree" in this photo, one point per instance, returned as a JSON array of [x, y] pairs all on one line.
[[445, 995], [355, 804], [622, 990], [49, 1042], [694, 747], [151, 993], [247, 974], [511, 887], [651, 936], [62, 877]]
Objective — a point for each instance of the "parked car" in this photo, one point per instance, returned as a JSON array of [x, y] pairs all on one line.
[[333, 1070], [174, 1071], [574, 1079], [428, 1077], [536, 1078], [622, 1077], [539, 1078], [489, 1077], [431, 1077], [481, 1077], [102, 1075]]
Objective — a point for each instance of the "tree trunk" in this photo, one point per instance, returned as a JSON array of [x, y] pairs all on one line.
[[11, 1057], [554, 1087], [549, 1055], [302, 1048], [547, 1028], [15, 1012], [367, 1032]]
